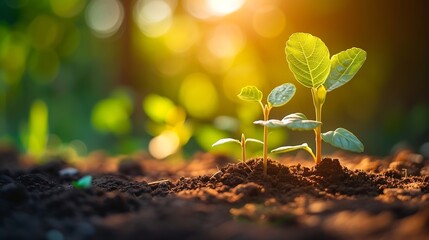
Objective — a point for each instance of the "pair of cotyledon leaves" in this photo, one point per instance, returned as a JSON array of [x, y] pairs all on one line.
[[309, 61]]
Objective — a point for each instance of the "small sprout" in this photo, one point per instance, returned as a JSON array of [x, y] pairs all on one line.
[[242, 143], [279, 96], [308, 59], [83, 183], [303, 146]]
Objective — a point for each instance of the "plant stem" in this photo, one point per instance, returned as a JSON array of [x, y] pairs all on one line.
[[318, 131], [243, 147], [265, 161]]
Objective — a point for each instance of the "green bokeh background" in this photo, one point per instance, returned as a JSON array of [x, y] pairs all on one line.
[[123, 75]]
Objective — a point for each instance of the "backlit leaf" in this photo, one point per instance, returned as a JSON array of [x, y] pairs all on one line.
[[253, 140], [270, 123], [344, 66], [226, 140], [250, 93], [303, 146], [308, 59], [282, 94], [344, 139], [298, 121]]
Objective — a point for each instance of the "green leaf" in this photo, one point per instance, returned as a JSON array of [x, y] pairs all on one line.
[[298, 121], [308, 59], [303, 146], [254, 140], [344, 67], [270, 123], [282, 94], [344, 139], [83, 183], [226, 140], [250, 93]]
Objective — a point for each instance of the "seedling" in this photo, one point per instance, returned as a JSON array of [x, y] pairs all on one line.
[[279, 96], [242, 143], [308, 59], [83, 183]]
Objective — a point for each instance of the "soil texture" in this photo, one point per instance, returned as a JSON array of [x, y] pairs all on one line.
[[213, 197]]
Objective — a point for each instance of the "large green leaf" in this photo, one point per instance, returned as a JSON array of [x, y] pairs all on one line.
[[308, 59], [344, 139], [282, 94], [298, 121], [226, 140], [344, 66], [250, 93]]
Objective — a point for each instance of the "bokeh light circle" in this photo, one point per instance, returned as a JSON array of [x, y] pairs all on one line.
[[224, 7], [199, 96], [153, 17], [226, 40], [104, 17], [67, 8]]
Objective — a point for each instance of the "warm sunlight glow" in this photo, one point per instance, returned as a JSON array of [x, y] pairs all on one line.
[[204, 9], [197, 8], [226, 40], [224, 7], [164, 144], [269, 21], [104, 17], [153, 17]]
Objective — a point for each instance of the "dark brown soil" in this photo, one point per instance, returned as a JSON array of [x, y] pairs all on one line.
[[144, 199]]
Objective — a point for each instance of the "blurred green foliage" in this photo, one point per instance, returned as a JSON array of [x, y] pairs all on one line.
[[163, 75]]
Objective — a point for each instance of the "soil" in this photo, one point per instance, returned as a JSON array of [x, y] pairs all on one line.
[[214, 197]]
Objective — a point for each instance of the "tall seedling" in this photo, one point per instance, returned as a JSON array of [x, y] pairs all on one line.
[[279, 96], [308, 59]]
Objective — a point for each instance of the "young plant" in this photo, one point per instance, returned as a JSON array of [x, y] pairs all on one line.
[[83, 183], [309, 60], [243, 142], [279, 96]]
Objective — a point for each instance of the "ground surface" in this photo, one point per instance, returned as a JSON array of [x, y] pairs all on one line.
[[211, 197]]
